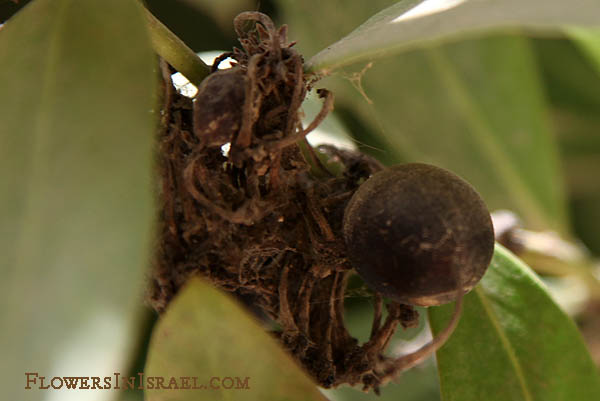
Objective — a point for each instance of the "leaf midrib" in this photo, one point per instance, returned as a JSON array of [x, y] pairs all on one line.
[[512, 356], [40, 124], [484, 136]]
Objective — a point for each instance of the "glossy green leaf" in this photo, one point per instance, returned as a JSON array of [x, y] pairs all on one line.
[[75, 187], [513, 343], [572, 80], [413, 23], [475, 107], [206, 334]]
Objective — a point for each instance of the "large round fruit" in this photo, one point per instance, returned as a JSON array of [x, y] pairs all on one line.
[[418, 234]]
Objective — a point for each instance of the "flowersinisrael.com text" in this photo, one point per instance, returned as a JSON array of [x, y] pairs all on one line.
[[117, 381]]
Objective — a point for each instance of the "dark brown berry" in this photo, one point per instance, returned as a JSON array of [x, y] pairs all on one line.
[[417, 233], [218, 106]]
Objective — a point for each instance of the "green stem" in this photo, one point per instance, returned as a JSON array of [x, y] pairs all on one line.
[[175, 52]]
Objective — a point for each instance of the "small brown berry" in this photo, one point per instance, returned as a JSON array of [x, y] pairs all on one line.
[[218, 106], [418, 233]]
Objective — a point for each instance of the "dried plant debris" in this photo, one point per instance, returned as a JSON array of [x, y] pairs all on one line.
[[254, 220]]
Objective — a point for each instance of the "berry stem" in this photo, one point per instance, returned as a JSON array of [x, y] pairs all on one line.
[[408, 361]]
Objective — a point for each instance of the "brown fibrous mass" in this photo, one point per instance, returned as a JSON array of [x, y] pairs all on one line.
[[264, 221]]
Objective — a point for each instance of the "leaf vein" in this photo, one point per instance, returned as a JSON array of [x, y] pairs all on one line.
[[512, 356], [484, 135]]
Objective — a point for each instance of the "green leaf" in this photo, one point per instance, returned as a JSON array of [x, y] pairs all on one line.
[[513, 342], [476, 107], [206, 334], [413, 23], [76, 136], [572, 80]]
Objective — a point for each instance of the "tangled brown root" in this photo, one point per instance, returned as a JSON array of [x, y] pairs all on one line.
[[255, 221]]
